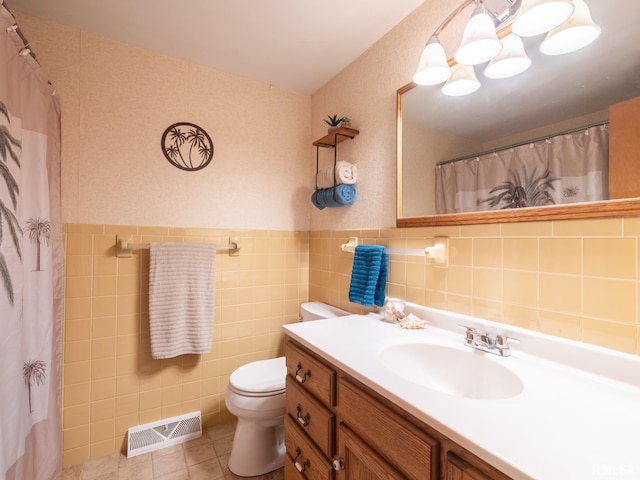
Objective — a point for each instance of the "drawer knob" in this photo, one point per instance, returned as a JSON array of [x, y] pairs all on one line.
[[302, 377], [338, 464], [302, 420], [301, 466]]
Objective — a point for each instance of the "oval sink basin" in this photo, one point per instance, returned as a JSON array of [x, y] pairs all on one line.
[[465, 372]]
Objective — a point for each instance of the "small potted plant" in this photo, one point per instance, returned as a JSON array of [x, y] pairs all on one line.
[[334, 122]]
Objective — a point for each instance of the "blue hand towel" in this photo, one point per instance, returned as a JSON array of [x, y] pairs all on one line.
[[369, 275], [324, 197]]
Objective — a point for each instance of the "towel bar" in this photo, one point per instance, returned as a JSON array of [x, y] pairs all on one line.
[[439, 252], [125, 246]]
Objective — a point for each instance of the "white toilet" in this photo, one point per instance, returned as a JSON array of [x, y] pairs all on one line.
[[256, 396]]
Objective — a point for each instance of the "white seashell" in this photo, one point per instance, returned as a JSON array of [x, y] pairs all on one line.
[[411, 322]]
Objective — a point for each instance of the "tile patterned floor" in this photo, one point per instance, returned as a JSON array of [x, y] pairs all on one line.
[[203, 458]]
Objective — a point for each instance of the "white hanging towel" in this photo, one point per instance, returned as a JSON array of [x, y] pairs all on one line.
[[181, 298]]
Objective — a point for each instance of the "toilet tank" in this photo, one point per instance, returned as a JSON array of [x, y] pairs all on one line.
[[318, 310]]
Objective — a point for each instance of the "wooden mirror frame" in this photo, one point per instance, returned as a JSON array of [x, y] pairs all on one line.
[[623, 207]]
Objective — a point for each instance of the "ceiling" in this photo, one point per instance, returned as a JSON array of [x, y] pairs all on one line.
[[298, 45]]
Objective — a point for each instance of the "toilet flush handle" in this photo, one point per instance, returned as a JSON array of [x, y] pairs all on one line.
[[302, 378]]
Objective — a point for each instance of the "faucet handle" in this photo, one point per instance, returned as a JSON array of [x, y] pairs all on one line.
[[470, 334], [502, 341]]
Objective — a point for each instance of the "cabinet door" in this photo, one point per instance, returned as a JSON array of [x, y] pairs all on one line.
[[359, 461], [404, 445], [457, 469]]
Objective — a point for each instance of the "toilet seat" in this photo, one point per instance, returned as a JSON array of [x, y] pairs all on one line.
[[260, 379]]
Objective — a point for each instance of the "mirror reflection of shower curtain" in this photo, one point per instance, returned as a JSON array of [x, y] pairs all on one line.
[[563, 169], [31, 264]]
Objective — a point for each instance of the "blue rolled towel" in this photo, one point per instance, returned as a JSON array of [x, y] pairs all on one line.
[[316, 201], [344, 195], [368, 275]]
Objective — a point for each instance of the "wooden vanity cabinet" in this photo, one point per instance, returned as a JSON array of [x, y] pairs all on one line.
[[309, 428], [336, 428]]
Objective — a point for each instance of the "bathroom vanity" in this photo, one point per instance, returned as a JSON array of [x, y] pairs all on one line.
[[367, 399]]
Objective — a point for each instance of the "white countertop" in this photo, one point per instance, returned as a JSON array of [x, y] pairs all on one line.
[[577, 416]]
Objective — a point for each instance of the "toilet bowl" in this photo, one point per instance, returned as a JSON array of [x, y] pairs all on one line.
[[256, 395]]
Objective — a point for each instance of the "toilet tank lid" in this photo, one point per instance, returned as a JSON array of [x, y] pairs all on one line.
[[319, 310], [261, 376]]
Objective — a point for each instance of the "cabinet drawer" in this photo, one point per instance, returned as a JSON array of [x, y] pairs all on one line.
[[303, 459], [314, 418], [312, 374], [399, 442]]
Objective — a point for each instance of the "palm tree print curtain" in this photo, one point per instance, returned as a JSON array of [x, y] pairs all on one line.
[[31, 265], [563, 169]]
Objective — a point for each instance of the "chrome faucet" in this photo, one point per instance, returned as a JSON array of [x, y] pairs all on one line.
[[498, 345]]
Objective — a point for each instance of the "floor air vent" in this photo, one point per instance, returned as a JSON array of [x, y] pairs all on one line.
[[163, 433]]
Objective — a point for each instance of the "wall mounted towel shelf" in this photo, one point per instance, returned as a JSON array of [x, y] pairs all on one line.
[[331, 141], [125, 246], [335, 137], [438, 252]]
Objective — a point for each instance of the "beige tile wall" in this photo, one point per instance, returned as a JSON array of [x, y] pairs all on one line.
[[576, 279], [110, 380]]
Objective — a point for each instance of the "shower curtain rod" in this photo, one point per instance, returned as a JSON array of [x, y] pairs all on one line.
[[17, 30], [519, 144]]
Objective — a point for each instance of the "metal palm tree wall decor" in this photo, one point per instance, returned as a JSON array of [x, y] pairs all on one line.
[[8, 147], [187, 146]]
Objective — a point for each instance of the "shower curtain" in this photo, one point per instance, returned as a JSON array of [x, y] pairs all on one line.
[[31, 264], [566, 168]]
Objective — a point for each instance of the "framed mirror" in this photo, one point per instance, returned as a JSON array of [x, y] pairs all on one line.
[[557, 96]]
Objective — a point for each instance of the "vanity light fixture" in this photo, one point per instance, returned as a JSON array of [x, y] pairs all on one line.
[[433, 68], [540, 16], [494, 34], [462, 81], [479, 41], [576, 33], [511, 61]]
